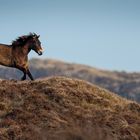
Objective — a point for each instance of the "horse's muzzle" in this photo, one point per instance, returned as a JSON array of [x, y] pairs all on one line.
[[40, 53]]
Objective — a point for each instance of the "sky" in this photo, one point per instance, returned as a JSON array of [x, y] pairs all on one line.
[[101, 33]]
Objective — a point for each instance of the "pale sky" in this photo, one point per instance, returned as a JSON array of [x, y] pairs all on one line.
[[100, 33]]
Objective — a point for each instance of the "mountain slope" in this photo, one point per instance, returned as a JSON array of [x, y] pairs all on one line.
[[60, 108], [122, 83]]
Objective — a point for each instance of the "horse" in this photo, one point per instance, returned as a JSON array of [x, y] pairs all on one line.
[[16, 54]]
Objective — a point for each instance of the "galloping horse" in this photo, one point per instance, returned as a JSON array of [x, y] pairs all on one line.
[[16, 54]]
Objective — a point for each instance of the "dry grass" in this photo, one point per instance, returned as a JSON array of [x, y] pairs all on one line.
[[60, 108], [122, 83]]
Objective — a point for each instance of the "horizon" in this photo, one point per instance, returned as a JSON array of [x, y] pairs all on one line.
[[97, 33]]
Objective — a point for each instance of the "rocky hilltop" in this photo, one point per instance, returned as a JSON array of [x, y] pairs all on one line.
[[122, 83], [59, 108]]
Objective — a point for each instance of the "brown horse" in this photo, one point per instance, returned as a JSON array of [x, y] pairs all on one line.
[[16, 54]]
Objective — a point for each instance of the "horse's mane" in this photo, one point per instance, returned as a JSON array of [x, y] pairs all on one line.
[[22, 40]]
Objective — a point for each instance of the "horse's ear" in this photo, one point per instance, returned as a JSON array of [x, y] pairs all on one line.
[[38, 36]]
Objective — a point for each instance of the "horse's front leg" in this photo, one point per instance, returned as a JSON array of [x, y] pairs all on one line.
[[24, 74], [29, 74], [25, 71]]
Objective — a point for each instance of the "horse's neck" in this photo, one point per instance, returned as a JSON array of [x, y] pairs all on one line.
[[21, 51]]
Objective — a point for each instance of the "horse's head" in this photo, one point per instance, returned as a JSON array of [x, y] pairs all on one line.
[[28, 42], [35, 44]]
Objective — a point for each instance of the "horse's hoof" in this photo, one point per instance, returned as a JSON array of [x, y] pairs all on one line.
[[22, 79]]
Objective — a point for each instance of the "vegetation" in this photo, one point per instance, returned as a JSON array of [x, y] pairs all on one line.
[[60, 108], [122, 83]]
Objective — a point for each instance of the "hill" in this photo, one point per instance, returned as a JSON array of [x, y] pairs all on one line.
[[122, 83], [60, 108]]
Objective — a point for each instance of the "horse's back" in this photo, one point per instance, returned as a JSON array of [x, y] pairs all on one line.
[[5, 54]]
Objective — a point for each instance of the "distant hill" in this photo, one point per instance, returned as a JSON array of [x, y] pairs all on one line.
[[122, 83], [59, 108]]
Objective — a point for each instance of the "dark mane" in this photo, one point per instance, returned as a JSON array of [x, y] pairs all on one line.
[[22, 40]]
